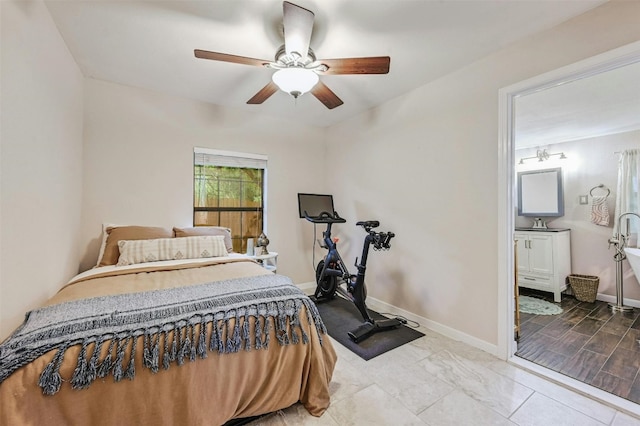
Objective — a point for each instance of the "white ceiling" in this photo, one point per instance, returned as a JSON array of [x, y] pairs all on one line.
[[149, 44], [598, 105]]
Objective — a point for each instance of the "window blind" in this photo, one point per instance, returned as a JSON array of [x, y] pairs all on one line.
[[210, 157]]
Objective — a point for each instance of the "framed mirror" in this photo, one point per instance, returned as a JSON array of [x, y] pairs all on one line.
[[540, 193]]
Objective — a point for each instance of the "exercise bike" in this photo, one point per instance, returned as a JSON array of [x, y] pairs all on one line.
[[331, 273]]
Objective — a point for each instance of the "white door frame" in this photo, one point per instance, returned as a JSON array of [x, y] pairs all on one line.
[[506, 171]]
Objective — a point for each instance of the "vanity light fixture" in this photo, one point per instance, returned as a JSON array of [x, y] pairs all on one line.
[[542, 155]]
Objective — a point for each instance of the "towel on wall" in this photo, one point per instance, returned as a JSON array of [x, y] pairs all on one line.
[[599, 210]]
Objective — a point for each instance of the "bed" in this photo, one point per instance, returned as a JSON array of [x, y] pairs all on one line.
[[167, 341]]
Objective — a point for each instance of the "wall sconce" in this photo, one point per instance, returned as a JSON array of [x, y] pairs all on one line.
[[542, 155]]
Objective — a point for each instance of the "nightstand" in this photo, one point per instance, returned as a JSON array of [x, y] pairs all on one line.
[[268, 261]]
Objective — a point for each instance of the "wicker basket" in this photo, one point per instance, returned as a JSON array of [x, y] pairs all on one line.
[[585, 287]]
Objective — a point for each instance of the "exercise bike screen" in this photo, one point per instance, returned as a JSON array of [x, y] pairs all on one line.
[[314, 204]]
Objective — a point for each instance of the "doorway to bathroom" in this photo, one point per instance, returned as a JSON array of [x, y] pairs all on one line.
[[586, 346]]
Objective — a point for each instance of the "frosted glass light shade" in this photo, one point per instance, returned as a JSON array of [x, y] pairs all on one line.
[[295, 81]]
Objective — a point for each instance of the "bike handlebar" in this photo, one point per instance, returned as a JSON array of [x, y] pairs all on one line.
[[382, 240], [325, 217]]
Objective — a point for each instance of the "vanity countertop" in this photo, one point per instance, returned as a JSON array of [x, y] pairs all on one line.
[[544, 229]]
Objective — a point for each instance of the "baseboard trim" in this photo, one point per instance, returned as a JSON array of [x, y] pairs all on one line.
[[452, 333], [613, 299], [380, 306]]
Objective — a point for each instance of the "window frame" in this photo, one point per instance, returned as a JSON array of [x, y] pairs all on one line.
[[213, 157]]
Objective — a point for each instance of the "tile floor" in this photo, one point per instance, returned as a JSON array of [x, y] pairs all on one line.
[[438, 381], [586, 342]]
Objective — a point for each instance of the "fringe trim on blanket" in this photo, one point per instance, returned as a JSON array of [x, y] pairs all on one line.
[[183, 340], [169, 326]]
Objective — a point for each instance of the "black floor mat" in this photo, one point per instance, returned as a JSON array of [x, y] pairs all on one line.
[[341, 316]]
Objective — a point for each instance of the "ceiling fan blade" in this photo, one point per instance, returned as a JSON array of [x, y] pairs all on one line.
[[224, 57], [298, 24], [326, 96], [264, 93], [372, 65]]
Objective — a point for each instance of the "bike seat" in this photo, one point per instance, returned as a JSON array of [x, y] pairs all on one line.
[[368, 224]]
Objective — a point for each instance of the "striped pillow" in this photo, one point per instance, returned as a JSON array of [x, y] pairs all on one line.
[[141, 251]]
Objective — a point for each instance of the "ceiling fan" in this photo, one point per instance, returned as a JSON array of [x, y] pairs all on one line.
[[297, 69]]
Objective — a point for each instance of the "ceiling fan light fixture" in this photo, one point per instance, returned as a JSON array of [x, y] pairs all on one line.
[[295, 80], [296, 65]]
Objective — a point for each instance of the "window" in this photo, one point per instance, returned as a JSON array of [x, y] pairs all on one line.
[[229, 191]]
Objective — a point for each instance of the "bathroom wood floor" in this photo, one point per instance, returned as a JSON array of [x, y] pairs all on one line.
[[586, 342]]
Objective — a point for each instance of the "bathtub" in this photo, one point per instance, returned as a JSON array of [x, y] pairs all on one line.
[[633, 256]]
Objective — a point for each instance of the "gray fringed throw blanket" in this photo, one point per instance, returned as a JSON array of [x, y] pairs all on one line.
[[271, 300]]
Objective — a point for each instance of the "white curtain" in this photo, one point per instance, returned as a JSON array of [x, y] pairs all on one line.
[[628, 196]]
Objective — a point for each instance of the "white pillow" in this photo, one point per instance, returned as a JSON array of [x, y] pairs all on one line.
[[141, 251]]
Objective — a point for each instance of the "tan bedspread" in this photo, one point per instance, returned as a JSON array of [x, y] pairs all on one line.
[[207, 391]]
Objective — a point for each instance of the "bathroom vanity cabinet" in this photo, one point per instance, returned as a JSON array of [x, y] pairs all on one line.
[[544, 259]]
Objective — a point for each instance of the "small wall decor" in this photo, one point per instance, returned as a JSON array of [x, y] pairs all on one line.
[[263, 241]]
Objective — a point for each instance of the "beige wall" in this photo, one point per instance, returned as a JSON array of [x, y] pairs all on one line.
[[138, 165], [425, 165], [41, 161]]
